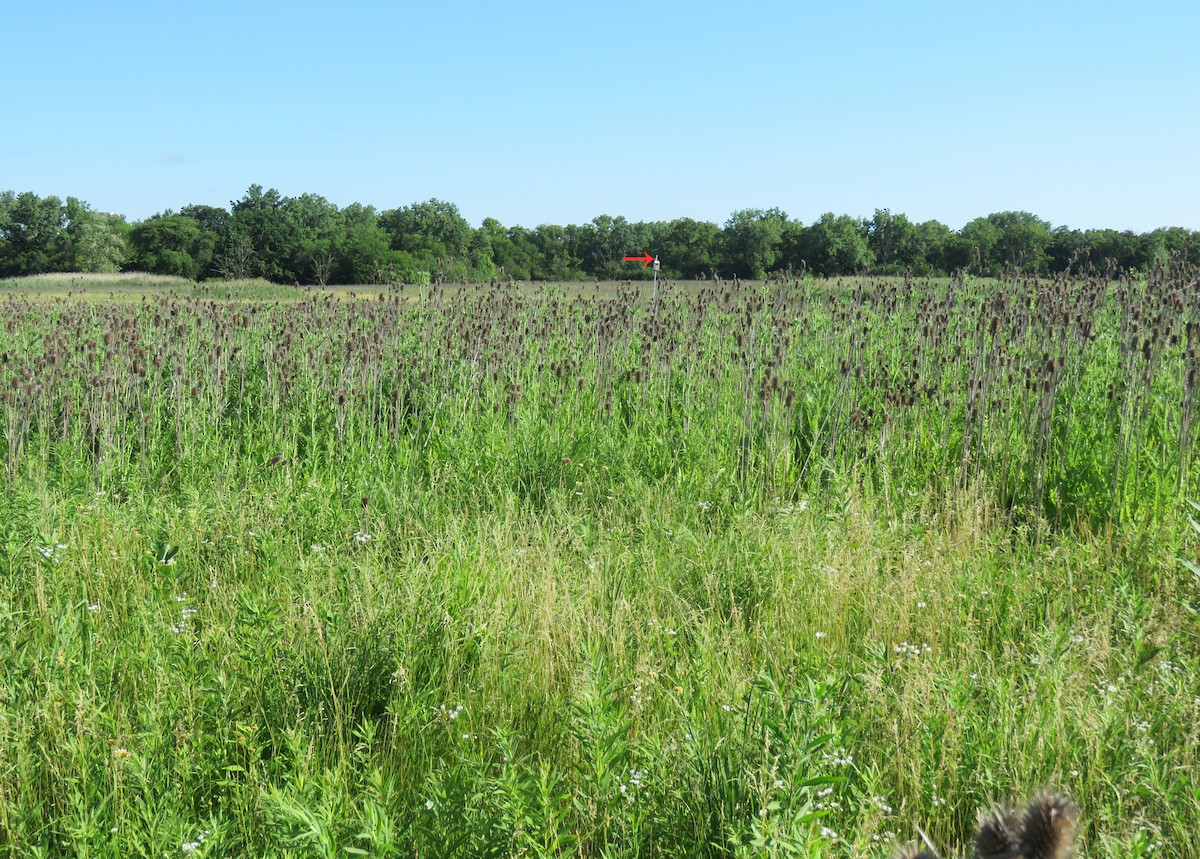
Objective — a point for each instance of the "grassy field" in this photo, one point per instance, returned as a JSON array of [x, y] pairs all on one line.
[[127, 286], [753, 570], [134, 286]]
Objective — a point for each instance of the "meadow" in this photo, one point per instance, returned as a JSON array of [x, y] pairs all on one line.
[[785, 568]]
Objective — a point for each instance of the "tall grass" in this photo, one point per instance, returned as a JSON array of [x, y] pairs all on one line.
[[757, 569]]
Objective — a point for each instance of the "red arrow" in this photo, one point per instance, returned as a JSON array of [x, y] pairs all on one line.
[[644, 258]]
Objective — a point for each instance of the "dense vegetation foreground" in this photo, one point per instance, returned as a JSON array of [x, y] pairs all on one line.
[[751, 569]]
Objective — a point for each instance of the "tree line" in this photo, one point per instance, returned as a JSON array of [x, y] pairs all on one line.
[[309, 240]]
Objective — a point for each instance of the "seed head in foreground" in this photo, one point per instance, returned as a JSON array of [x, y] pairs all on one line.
[[1048, 827], [1045, 829], [999, 835]]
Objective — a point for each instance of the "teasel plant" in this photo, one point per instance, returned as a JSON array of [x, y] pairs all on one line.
[[1059, 398], [1046, 827]]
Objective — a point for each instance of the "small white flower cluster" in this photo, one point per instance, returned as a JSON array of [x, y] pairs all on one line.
[[913, 650], [193, 846], [653, 623], [824, 803], [627, 789], [704, 506], [94, 607], [826, 832], [637, 698], [185, 615], [450, 713], [888, 836], [937, 800], [429, 805], [53, 554], [881, 803], [316, 547], [839, 758], [361, 537], [798, 507]]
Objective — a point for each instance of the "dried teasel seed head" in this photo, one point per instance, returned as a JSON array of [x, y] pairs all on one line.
[[1048, 827], [999, 835]]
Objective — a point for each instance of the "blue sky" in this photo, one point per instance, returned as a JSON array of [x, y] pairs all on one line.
[[1087, 114]]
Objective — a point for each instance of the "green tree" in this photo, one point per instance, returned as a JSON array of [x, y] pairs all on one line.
[[94, 241], [556, 259], [604, 241], [511, 251], [835, 244], [1022, 242], [930, 241], [688, 248], [260, 241], [362, 252], [973, 247], [214, 223], [1166, 242], [212, 219], [516, 254], [752, 242], [32, 234], [479, 255], [433, 234], [316, 228], [892, 239], [171, 244]]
